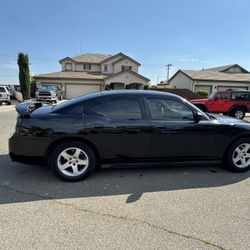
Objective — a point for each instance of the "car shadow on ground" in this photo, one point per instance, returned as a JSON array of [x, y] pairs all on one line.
[[23, 183]]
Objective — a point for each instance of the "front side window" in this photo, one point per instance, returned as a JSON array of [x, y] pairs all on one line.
[[68, 66], [223, 95], [169, 110], [240, 96], [122, 108]]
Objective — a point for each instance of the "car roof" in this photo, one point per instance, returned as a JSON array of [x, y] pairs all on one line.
[[113, 93]]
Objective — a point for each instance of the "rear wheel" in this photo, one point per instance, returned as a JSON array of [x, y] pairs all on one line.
[[238, 157], [72, 161], [238, 113]]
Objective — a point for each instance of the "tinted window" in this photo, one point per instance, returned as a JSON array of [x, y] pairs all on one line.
[[240, 96], [223, 95], [2, 89], [163, 109], [122, 108]]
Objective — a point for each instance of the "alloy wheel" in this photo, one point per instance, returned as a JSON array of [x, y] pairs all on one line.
[[73, 161], [239, 114], [241, 155]]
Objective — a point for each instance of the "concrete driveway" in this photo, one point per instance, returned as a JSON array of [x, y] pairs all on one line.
[[141, 208]]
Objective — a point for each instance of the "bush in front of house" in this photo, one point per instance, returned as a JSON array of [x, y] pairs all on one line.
[[202, 93]]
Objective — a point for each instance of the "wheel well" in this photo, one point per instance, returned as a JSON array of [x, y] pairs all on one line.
[[65, 139], [239, 106], [233, 141]]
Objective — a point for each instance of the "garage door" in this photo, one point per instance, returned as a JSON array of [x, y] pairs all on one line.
[[76, 90]]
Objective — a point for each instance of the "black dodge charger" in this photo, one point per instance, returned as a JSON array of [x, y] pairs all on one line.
[[126, 126]]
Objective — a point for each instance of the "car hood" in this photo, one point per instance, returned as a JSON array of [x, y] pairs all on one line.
[[227, 119], [45, 90]]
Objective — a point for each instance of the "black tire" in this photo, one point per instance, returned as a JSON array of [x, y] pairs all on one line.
[[232, 154], [9, 103], [56, 157], [238, 113]]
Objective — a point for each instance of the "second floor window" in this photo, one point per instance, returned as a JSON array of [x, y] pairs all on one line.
[[86, 66], [126, 67], [105, 67], [68, 66]]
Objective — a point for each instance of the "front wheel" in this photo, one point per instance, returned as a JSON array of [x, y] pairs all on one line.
[[238, 113], [238, 156], [72, 161]]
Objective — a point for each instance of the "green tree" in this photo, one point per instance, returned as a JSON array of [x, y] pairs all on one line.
[[24, 75]]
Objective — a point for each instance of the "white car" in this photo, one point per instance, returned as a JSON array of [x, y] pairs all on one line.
[[5, 95]]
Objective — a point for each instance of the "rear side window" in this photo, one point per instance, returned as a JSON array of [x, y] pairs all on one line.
[[2, 89], [119, 108], [240, 96], [170, 110]]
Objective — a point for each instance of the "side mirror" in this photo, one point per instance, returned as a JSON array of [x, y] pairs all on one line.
[[197, 116]]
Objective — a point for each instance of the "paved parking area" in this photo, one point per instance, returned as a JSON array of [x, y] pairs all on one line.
[[154, 208]]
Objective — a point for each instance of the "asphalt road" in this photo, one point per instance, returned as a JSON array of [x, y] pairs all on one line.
[[141, 208]]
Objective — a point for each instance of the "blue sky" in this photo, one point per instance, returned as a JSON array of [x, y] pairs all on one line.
[[189, 34]]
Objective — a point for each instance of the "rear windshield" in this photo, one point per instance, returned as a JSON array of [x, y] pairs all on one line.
[[2, 89]]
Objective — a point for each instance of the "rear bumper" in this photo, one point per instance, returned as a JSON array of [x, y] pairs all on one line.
[[27, 159], [27, 149]]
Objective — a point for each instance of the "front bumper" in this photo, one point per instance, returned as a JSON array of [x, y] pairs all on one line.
[[46, 98]]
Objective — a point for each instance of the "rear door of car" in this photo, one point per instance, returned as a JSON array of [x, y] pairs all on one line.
[[175, 134], [119, 126]]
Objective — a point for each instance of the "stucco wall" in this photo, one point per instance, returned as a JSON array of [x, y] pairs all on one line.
[[125, 62], [126, 78], [110, 65], [181, 81]]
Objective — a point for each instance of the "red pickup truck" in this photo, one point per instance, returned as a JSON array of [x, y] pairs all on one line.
[[230, 102]]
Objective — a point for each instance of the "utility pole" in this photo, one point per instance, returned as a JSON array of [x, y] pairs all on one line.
[[168, 67]]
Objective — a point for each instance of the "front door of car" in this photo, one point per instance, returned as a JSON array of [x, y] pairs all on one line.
[[175, 133], [119, 126], [220, 103]]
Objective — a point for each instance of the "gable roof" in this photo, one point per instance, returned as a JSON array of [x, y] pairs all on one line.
[[123, 56], [227, 67], [209, 75], [87, 58], [128, 71]]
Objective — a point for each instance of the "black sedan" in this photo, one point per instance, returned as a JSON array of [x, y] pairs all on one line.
[[126, 126]]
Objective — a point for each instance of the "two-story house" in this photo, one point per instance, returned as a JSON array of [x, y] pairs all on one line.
[[94, 72]]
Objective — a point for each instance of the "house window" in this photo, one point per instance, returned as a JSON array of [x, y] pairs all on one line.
[[86, 66], [126, 67], [68, 66], [105, 67]]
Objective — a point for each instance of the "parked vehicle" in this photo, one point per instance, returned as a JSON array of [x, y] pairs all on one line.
[[230, 102], [126, 126], [5, 95], [49, 93]]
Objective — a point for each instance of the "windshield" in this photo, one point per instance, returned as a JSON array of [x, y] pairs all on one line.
[[49, 87], [212, 95]]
